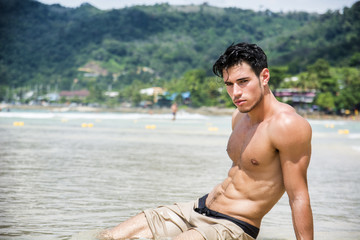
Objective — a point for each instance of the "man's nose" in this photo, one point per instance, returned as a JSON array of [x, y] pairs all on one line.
[[237, 91]]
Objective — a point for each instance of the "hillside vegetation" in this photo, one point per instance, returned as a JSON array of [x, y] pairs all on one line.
[[50, 47]]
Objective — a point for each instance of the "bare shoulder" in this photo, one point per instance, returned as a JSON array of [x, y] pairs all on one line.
[[287, 127], [236, 116]]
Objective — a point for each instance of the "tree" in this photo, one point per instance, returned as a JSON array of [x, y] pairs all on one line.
[[349, 94], [204, 90], [96, 94], [326, 100], [277, 75], [355, 60], [328, 87]]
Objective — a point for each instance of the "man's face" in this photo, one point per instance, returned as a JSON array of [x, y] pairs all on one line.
[[243, 86]]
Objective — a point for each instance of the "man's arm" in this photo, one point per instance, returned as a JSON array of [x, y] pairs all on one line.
[[293, 141]]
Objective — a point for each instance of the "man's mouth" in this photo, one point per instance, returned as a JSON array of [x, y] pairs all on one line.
[[239, 102]]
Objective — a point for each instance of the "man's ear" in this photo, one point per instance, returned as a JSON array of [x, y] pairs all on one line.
[[265, 76]]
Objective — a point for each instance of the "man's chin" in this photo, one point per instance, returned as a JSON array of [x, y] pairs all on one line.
[[243, 110]]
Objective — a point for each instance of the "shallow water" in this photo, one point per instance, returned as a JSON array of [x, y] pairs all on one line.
[[58, 179]]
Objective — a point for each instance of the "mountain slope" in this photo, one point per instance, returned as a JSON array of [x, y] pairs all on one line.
[[46, 44]]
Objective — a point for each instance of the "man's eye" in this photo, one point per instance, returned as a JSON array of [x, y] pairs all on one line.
[[228, 83]]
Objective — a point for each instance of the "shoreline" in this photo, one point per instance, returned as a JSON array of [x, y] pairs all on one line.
[[207, 111]]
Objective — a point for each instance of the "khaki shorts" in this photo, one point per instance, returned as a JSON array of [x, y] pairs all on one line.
[[170, 221]]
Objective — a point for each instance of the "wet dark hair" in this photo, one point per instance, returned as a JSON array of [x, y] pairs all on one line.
[[241, 52]]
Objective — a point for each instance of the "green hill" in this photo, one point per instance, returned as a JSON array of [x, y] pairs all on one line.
[[45, 45]]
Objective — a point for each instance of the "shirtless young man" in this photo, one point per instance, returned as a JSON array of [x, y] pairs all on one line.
[[270, 148]]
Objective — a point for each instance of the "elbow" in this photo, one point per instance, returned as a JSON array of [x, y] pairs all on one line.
[[299, 198]]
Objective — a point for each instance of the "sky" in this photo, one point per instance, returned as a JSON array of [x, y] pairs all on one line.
[[319, 6]]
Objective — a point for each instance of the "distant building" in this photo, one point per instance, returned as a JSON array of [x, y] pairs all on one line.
[[153, 91], [93, 69], [185, 97], [111, 94], [71, 94], [52, 97], [145, 69], [295, 96]]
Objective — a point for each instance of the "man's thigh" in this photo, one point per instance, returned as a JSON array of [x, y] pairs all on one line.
[[180, 220], [167, 221], [222, 231], [191, 234], [217, 228]]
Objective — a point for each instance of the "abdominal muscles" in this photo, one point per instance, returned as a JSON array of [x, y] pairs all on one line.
[[246, 197]]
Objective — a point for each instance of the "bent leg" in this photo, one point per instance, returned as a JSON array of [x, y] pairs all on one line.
[[135, 227]]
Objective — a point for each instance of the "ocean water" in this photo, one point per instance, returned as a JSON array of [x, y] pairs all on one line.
[[66, 175]]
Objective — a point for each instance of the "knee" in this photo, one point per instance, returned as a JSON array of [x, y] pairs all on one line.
[[135, 227]]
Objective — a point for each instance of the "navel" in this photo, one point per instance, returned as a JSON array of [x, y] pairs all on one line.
[[254, 162]]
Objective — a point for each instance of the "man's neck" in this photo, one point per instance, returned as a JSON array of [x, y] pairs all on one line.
[[264, 109]]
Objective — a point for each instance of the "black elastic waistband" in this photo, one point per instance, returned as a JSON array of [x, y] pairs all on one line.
[[248, 228]]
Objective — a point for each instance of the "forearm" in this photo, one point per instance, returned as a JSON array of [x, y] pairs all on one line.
[[302, 219]]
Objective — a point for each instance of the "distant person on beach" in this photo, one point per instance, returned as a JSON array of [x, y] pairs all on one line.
[[270, 148], [174, 109]]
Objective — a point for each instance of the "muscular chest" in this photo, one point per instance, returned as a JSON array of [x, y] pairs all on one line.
[[250, 146]]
